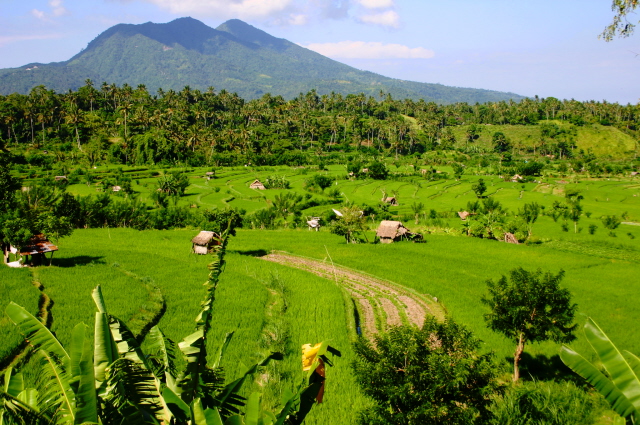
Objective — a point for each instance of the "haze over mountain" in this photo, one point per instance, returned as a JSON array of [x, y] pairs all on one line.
[[235, 56]]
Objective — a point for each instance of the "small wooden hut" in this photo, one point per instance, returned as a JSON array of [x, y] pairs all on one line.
[[391, 231], [204, 242], [391, 200], [257, 184], [37, 247], [59, 178]]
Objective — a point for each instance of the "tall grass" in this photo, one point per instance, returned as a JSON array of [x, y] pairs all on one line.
[[16, 286]]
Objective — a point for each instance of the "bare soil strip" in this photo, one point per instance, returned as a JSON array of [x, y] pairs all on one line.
[[398, 304]]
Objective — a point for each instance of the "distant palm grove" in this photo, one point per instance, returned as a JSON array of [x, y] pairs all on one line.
[[129, 125]]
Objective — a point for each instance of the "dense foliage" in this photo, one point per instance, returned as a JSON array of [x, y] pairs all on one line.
[[126, 125], [433, 375]]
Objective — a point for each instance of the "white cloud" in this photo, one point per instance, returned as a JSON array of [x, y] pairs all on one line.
[[376, 4], [4, 40], [390, 18], [370, 50], [38, 14], [298, 19], [243, 9], [58, 8]]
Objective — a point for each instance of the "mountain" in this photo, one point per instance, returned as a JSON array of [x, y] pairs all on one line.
[[235, 56]]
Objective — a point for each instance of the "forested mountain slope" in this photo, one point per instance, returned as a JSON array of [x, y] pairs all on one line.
[[236, 57]]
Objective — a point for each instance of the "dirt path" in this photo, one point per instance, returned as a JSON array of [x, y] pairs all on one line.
[[380, 303]]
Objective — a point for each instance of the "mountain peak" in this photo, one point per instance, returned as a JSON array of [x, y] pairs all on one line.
[[248, 33]]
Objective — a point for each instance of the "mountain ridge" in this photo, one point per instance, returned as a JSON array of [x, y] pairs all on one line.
[[235, 56]]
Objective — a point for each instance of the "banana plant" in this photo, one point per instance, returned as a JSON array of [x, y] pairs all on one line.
[[621, 384], [115, 382], [18, 404]]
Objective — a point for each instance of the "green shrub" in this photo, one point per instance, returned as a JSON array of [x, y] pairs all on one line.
[[545, 403]]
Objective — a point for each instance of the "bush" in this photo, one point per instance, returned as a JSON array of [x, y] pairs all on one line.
[[610, 222], [429, 375], [378, 171], [548, 403]]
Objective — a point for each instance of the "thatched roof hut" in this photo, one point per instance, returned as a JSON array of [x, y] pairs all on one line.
[[463, 215], [204, 241], [510, 238], [257, 184], [390, 200], [58, 178], [390, 231]]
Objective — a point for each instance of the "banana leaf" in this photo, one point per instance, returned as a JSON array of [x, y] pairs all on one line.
[[252, 410], [57, 393], [222, 350], [35, 332], [621, 373], [229, 397], [179, 409], [201, 416], [86, 396], [105, 351], [162, 354], [13, 384], [619, 403], [194, 349], [30, 398]]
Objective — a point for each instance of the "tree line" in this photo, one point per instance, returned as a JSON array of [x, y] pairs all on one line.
[[129, 125]]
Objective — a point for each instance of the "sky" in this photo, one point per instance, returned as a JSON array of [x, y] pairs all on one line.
[[548, 48]]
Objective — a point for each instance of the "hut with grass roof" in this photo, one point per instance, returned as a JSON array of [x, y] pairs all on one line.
[[391, 200], [463, 215], [391, 231], [257, 184], [204, 242]]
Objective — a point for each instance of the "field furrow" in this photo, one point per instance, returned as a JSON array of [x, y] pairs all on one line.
[[394, 304]]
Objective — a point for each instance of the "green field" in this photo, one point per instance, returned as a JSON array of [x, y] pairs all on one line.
[[127, 263], [276, 308]]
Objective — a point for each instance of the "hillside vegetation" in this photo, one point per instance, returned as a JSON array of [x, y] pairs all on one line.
[[235, 57]]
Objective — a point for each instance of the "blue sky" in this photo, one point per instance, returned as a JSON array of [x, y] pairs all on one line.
[[542, 47]]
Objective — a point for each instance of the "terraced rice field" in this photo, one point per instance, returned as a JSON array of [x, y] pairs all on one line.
[[379, 303]]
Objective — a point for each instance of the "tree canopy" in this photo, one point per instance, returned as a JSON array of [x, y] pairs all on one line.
[[425, 376], [530, 307]]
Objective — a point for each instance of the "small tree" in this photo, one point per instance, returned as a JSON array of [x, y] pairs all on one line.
[[417, 208], [378, 171], [350, 223], [458, 170], [530, 307], [501, 143], [479, 188], [431, 375], [529, 214]]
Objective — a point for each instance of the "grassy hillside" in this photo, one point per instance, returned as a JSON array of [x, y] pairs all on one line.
[[602, 141]]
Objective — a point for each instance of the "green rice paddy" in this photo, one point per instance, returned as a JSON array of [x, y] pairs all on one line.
[[273, 307]]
